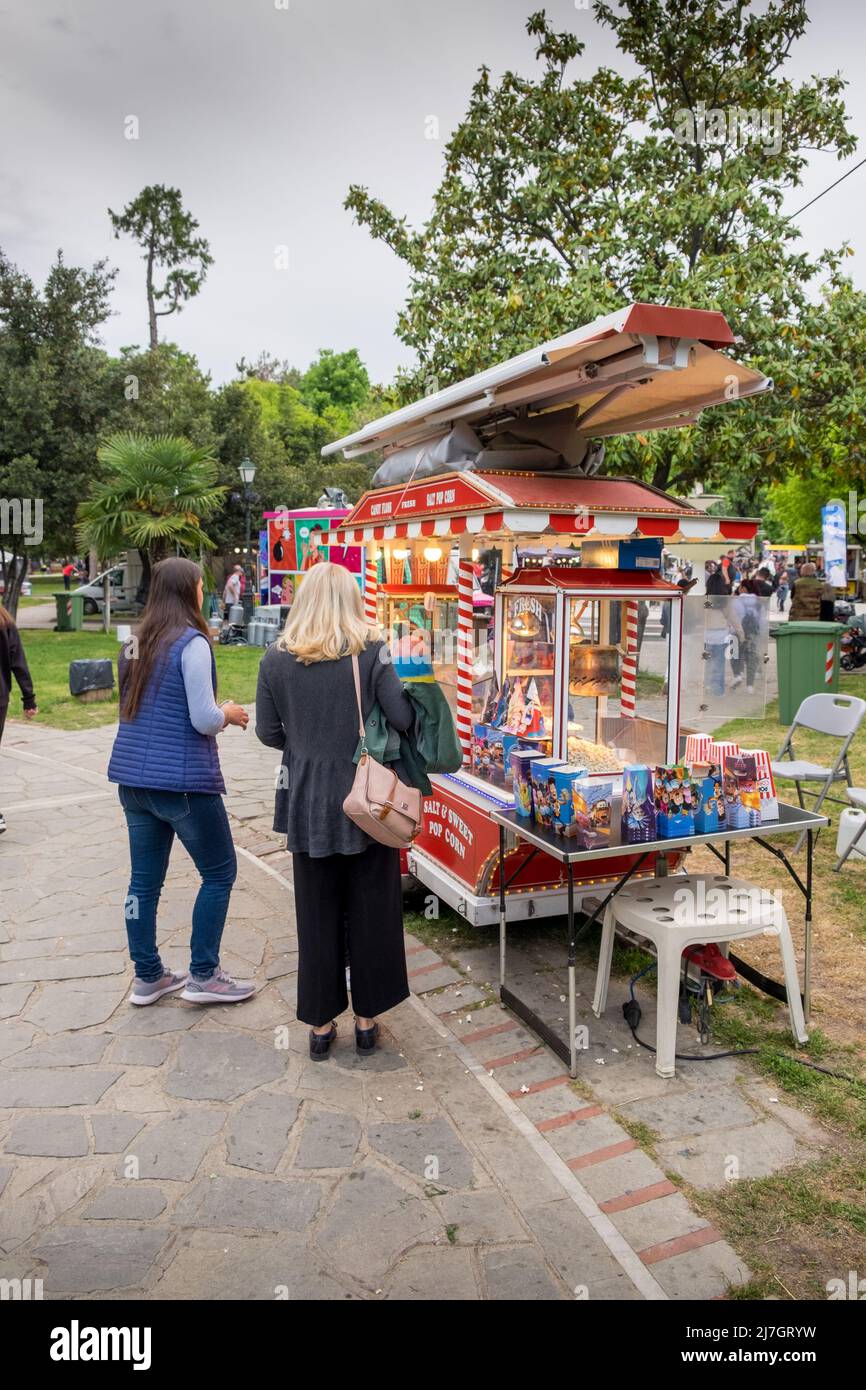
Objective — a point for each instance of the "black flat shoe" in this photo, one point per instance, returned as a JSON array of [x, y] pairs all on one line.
[[320, 1044], [366, 1038]]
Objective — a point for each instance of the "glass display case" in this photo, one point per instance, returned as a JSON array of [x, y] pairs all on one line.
[[586, 669], [727, 655]]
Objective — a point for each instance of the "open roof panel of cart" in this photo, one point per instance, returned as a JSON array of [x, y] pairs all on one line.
[[643, 368]]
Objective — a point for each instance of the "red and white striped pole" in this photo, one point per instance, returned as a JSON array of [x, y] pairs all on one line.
[[465, 587], [371, 586], [629, 663], [829, 663]]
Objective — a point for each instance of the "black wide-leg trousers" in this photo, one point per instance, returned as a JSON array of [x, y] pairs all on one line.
[[354, 902]]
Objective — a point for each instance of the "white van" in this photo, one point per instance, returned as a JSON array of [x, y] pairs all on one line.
[[125, 579]]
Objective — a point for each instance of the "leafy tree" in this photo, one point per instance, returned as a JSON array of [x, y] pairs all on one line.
[[269, 368], [154, 493], [565, 196], [335, 379], [163, 391], [54, 395], [166, 232]]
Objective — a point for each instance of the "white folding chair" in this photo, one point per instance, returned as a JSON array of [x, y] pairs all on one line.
[[837, 716], [857, 799]]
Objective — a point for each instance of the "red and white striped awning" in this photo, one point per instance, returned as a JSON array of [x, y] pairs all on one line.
[[492, 505]]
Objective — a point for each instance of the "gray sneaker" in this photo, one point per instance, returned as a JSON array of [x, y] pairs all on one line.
[[219, 989], [148, 991]]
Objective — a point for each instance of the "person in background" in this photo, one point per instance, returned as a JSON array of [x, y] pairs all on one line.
[[68, 572], [346, 885], [166, 765], [807, 595], [720, 623], [762, 583], [13, 663], [782, 585], [233, 588]]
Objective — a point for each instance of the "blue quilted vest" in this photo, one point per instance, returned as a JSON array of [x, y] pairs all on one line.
[[160, 748]]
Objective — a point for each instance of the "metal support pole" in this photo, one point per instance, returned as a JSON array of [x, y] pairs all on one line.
[[501, 906], [807, 949], [572, 997]]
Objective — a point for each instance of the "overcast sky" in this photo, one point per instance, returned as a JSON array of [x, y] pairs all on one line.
[[263, 116]]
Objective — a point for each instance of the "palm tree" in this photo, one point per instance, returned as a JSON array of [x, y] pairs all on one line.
[[154, 492]]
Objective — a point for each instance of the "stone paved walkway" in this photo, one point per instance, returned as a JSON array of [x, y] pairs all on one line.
[[178, 1152]]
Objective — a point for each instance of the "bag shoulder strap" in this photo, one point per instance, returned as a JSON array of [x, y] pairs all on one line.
[[356, 675]]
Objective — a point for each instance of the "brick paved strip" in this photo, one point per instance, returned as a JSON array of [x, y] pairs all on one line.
[[481, 1033], [560, 1121], [416, 950], [708, 1235], [639, 1196], [512, 1057], [600, 1155], [540, 1086], [426, 969]]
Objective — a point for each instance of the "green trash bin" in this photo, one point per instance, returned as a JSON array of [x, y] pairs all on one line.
[[70, 612], [807, 662]]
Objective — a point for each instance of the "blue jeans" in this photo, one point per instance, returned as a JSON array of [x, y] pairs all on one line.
[[200, 822], [715, 654]]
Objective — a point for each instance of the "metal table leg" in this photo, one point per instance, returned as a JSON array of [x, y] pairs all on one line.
[[807, 950], [501, 907], [572, 981]]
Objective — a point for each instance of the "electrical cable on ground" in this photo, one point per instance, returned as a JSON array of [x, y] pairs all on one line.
[[632, 1014]]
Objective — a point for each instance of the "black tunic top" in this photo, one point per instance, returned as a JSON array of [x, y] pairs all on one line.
[[311, 714], [14, 663]]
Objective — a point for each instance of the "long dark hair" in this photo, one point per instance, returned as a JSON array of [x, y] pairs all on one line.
[[171, 608]]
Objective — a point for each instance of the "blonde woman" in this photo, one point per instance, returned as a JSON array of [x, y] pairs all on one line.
[[347, 886]]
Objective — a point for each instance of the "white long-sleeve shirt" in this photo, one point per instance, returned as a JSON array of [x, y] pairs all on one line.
[[204, 712]]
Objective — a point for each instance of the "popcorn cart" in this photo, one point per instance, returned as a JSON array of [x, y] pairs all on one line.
[[507, 461]]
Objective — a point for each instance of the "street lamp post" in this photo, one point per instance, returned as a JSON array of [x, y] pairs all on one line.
[[247, 471]]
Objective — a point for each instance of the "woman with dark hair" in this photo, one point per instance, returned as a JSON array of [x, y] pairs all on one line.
[[166, 764], [13, 663]]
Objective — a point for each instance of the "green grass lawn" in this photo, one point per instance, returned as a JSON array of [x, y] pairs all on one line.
[[49, 655]]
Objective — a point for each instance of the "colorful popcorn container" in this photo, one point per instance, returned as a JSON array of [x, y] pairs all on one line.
[[766, 784], [521, 766], [593, 812], [638, 824], [672, 793], [742, 799], [709, 798], [564, 778], [544, 795]]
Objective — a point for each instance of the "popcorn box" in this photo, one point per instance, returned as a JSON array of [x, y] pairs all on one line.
[[638, 823], [766, 784], [697, 748], [717, 752], [672, 793], [564, 778], [543, 791], [709, 804], [592, 812], [742, 799], [521, 764]]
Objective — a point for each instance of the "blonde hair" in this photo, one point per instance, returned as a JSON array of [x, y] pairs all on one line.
[[327, 617]]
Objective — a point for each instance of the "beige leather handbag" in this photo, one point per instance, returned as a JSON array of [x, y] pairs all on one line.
[[379, 803]]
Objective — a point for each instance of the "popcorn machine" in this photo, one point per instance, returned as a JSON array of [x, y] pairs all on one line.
[[581, 665], [567, 656]]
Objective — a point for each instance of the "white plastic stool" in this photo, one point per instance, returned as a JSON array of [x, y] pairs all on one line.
[[683, 910]]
